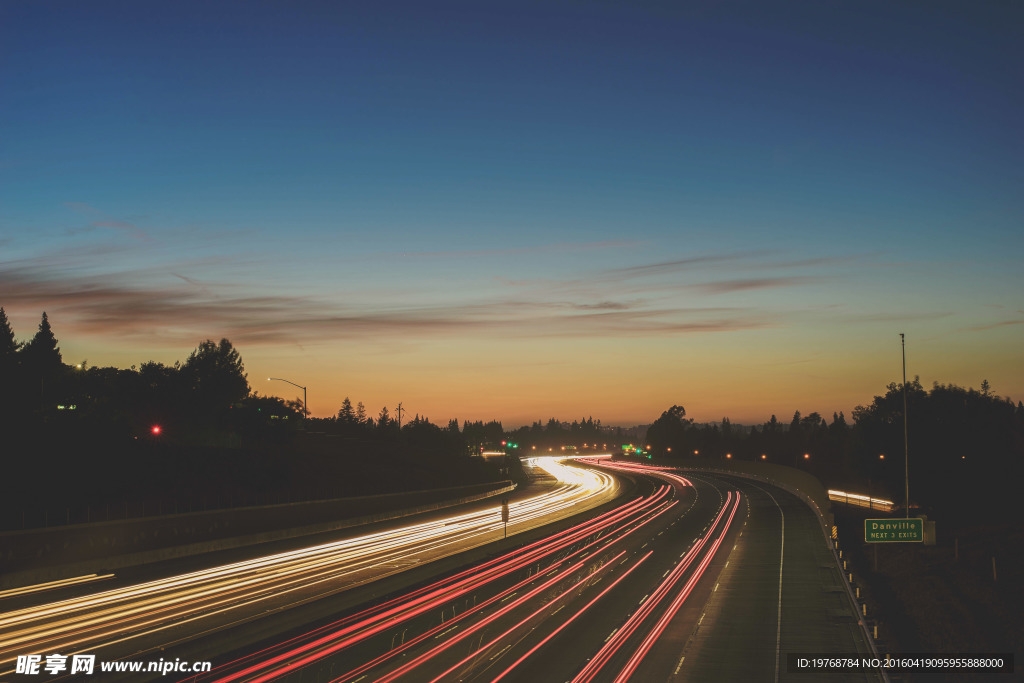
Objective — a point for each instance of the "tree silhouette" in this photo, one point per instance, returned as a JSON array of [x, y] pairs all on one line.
[[9, 369], [8, 347], [41, 353], [346, 415], [215, 376], [669, 431]]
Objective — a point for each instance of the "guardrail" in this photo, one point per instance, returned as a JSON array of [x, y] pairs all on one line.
[[13, 577]]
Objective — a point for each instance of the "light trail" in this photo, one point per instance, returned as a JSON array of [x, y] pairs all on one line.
[[677, 603], [573, 618], [861, 500], [519, 602], [563, 551], [614, 525], [53, 585], [612, 646], [545, 607], [101, 619]]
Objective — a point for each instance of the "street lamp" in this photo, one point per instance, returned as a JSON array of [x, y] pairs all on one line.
[[305, 405], [906, 445]]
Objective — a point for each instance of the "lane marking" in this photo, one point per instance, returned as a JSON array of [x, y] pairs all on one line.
[[782, 554]]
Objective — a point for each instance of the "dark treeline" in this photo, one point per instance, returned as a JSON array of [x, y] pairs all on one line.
[[586, 433], [966, 446], [76, 435], [189, 435], [474, 437]]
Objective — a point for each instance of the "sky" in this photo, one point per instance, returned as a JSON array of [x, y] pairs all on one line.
[[523, 210]]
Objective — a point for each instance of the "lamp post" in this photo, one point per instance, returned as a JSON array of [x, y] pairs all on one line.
[[305, 405], [906, 445]]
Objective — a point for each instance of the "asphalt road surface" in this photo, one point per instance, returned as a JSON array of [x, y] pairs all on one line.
[[136, 618], [697, 578], [692, 577]]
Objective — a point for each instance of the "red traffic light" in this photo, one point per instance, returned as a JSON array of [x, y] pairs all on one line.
[[156, 429]]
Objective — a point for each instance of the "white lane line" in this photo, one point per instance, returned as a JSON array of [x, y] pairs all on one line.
[[782, 553]]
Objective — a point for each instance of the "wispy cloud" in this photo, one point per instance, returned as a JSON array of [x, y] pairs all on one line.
[[102, 220], [679, 265], [991, 326], [534, 249], [728, 286], [690, 274], [114, 305]]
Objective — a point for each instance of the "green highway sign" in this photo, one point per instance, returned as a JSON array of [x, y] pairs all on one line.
[[894, 530]]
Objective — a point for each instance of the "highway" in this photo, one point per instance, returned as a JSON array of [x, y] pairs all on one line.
[[698, 578], [141, 617], [695, 577], [607, 588]]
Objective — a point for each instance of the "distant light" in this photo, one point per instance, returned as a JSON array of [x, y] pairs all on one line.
[[670, 449], [503, 443], [764, 457], [807, 456], [881, 456], [156, 429], [728, 455], [696, 452]]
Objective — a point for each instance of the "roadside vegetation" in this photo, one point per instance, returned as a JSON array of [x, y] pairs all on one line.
[[85, 443]]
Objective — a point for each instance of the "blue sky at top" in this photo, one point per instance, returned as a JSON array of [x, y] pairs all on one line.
[[798, 166]]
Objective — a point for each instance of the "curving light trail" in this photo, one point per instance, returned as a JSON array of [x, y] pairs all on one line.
[[567, 551], [103, 619], [573, 560]]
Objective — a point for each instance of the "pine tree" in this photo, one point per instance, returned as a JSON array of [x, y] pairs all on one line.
[[346, 415], [10, 377], [8, 347], [42, 352], [360, 413]]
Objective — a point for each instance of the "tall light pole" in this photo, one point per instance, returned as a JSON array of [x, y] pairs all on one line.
[[906, 444], [305, 406]]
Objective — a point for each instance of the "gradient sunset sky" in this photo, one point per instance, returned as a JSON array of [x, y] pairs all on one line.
[[513, 211]]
